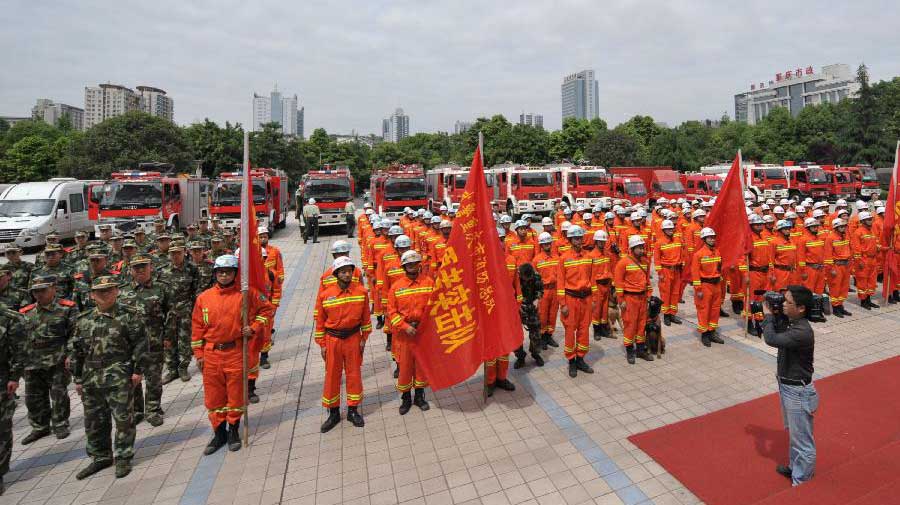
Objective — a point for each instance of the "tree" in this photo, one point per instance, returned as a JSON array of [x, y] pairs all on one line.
[[643, 130], [218, 149], [612, 148], [861, 135], [569, 143], [30, 159]]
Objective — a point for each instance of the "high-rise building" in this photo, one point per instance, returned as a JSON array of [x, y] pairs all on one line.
[[794, 89], [300, 123], [396, 127], [262, 111], [531, 119], [280, 109], [106, 101], [461, 127], [51, 112], [580, 96], [155, 102]]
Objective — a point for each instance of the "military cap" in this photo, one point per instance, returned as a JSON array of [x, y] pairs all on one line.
[[53, 248], [139, 231], [159, 220], [163, 237], [104, 282], [52, 234], [140, 259], [177, 247], [129, 244], [118, 236], [192, 227], [13, 248], [196, 245], [42, 282], [215, 219], [129, 236], [216, 238], [104, 227], [95, 252], [80, 234]]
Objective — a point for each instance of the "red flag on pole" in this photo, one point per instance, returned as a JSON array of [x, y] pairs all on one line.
[[473, 314], [252, 270], [888, 231], [728, 218]]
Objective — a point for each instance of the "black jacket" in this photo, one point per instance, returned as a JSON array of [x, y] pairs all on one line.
[[795, 348]]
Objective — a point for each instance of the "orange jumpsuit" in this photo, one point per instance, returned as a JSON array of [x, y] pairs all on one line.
[[547, 266], [379, 295], [643, 232], [761, 265], [668, 262], [785, 260], [407, 301], [865, 251], [343, 324], [436, 255], [706, 274], [811, 256], [216, 340], [275, 262], [574, 287], [389, 271], [837, 258], [498, 368], [796, 238], [522, 249], [601, 275], [632, 280]]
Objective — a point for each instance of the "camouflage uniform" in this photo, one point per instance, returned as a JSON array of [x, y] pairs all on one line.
[[144, 247], [106, 350], [13, 298], [183, 282], [65, 281], [152, 302], [21, 274], [76, 258], [83, 282], [205, 273], [10, 334], [47, 330]]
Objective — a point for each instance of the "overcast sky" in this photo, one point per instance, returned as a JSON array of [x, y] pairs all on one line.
[[352, 63]]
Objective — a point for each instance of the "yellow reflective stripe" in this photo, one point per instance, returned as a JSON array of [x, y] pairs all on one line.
[[673, 245], [710, 259], [320, 334], [396, 319], [197, 343], [412, 291], [331, 401], [785, 247], [342, 301], [815, 243], [205, 316], [632, 267], [601, 260], [760, 243], [572, 263], [354, 397], [262, 319], [841, 242], [366, 327]]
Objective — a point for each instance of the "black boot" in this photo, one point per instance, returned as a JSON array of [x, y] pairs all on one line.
[[751, 328], [387, 342], [420, 401], [573, 370], [667, 320], [380, 322], [582, 366], [234, 437], [837, 312], [864, 303], [397, 371], [355, 417], [643, 353], [704, 338], [538, 360], [505, 385], [722, 312], [872, 305], [675, 319], [894, 298], [264, 361], [607, 331], [251, 391], [597, 332], [405, 403], [544, 338], [629, 354], [34, 436], [520, 358], [123, 468], [94, 467], [220, 437], [550, 341], [334, 417], [737, 306], [845, 311], [715, 338]]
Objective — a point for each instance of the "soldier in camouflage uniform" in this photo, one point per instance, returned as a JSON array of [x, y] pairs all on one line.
[[10, 338], [76, 256], [54, 267], [11, 297], [203, 234], [204, 266], [104, 238], [159, 228], [182, 277], [143, 243], [48, 325], [151, 297], [160, 255], [129, 250], [21, 269], [51, 239], [107, 355], [115, 254], [229, 237], [218, 248], [83, 280]]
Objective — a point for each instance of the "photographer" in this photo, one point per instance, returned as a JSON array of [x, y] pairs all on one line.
[[786, 327]]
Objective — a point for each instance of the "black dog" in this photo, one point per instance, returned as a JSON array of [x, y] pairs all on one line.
[[653, 330]]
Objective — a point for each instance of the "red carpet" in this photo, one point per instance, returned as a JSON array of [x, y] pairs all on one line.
[[728, 457]]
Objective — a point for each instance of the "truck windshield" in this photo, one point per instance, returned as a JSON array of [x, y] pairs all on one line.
[[229, 193], [404, 189], [842, 177], [774, 173], [635, 188], [868, 174], [327, 190], [592, 179], [538, 179], [671, 187], [459, 181], [816, 176], [715, 185], [131, 195], [25, 208]]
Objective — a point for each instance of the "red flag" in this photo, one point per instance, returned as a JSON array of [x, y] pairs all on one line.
[[473, 314], [891, 211], [252, 270], [728, 218]]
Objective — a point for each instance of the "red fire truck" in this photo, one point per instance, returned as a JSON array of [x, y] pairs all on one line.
[[658, 181], [764, 181], [841, 183], [271, 198], [396, 187], [583, 184], [629, 187], [701, 186], [332, 188], [807, 180], [522, 189], [445, 185], [866, 181], [135, 199]]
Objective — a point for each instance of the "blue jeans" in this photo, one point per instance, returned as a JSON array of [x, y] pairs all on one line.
[[798, 404]]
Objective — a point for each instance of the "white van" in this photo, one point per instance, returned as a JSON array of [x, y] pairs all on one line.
[[31, 210]]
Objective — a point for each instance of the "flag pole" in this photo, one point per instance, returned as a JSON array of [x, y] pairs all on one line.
[[484, 389], [746, 315], [245, 275]]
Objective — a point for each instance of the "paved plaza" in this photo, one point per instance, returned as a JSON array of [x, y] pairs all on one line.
[[553, 441]]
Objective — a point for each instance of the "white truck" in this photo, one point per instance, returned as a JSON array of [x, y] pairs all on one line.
[[31, 210]]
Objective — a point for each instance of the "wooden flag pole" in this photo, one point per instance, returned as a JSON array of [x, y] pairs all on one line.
[[245, 311], [484, 389], [746, 312]]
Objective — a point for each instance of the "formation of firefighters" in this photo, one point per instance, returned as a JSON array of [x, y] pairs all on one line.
[[592, 267]]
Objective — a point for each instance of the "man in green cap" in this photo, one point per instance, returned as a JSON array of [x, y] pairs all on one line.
[[107, 354], [217, 248], [151, 296], [11, 297], [54, 267], [51, 239], [97, 267], [48, 325], [21, 269], [76, 256], [160, 255], [204, 266], [182, 278], [10, 341], [104, 238], [129, 251], [145, 245], [115, 254], [203, 234]]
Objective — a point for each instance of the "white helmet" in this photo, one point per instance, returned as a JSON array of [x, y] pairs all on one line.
[[879, 210], [634, 241], [600, 236], [340, 247], [778, 210], [810, 221], [765, 206], [402, 241], [784, 201], [409, 212], [226, 261], [407, 209], [637, 216], [341, 262], [662, 200], [501, 231], [843, 210], [563, 204], [505, 218], [667, 225], [446, 224], [579, 207], [443, 208], [707, 232], [791, 215], [878, 203], [565, 225], [770, 201], [699, 213], [427, 214], [782, 224], [395, 230], [370, 211], [841, 202], [800, 209], [587, 216], [820, 204], [838, 222], [545, 238], [435, 219], [521, 223], [312, 201], [860, 204], [547, 221], [622, 211], [567, 211], [708, 203], [575, 231], [768, 218], [818, 213], [610, 215], [865, 215], [410, 257], [421, 212], [262, 230], [755, 218], [367, 205]]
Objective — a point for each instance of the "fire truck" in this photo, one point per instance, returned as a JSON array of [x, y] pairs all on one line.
[[701, 186], [583, 184], [332, 188], [397, 187], [271, 198], [629, 187], [764, 181], [130, 200], [841, 182], [659, 181], [522, 189], [866, 181], [445, 185], [807, 180]]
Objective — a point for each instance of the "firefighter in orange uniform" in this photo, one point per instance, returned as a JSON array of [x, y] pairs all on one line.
[[383, 252], [519, 244], [706, 274], [574, 289], [338, 248], [498, 368], [275, 264], [343, 324], [811, 256], [632, 281], [601, 274], [407, 304], [216, 332], [547, 263], [785, 255], [760, 272], [837, 259], [668, 262], [866, 248], [390, 271], [436, 255]]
